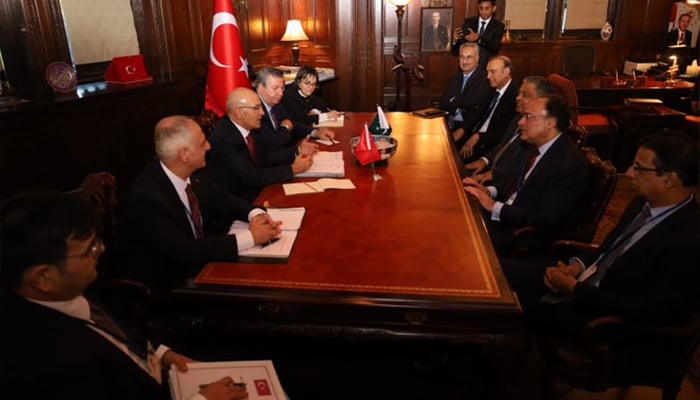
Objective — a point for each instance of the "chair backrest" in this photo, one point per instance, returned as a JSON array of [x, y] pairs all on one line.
[[603, 177], [578, 60], [100, 189], [207, 120], [566, 89]]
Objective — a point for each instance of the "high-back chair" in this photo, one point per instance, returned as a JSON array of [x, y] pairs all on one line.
[[593, 122]]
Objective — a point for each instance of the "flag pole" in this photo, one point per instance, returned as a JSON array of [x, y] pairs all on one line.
[[375, 175]]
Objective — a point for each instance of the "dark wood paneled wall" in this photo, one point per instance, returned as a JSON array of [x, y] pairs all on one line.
[[356, 37]]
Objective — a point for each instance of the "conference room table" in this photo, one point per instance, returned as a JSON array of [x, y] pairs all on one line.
[[405, 256]]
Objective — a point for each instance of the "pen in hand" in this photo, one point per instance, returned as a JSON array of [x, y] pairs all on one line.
[[269, 242]]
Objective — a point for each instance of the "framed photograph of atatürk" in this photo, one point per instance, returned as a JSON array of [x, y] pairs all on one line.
[[436, 28]]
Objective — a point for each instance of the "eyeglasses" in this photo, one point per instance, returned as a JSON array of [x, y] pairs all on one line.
[[638, 168], [529, 116], [94, 251], [259, 107]]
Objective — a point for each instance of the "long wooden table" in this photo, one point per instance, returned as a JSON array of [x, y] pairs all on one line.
[[404, 256], [596, 90]]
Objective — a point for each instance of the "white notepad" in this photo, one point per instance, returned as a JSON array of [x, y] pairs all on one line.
[[317, 186], [327, 164], [337, 123], [281, 248], [259, 377]]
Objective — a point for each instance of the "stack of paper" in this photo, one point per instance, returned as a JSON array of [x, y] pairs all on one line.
[[280, 249], [331, 123], [259, 378], [327, 164]]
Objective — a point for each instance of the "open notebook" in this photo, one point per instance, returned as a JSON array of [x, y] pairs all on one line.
[[279, 250]]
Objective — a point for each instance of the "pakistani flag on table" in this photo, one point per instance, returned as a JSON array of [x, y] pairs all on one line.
[[380, 125], [366, 150]]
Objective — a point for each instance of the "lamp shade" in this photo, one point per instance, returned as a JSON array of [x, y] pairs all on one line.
[[400, 2], [294, 32]]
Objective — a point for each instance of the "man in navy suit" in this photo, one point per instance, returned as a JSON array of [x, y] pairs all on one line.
[[467, 95], [162, 240], [54, 346], [547, 183], [232, 162], [646, 275], [279, 134], [483, 30], [489, 130]]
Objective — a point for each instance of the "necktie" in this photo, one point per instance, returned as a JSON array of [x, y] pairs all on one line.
[[681, 37], [106, 323], [465, 79], [517, 184], [251, 147], [500, 152], [482, 28], [273, 118], [484, 123], [195, 214], [618, 246]]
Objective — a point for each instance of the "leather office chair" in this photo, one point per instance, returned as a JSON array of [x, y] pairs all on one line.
[[207, 120], [533, 242], [578, 60], [127, 300], [616, 352], [591, 120]]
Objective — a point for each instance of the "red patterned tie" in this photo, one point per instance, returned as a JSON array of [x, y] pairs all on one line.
[[195, 214], [251, 147]]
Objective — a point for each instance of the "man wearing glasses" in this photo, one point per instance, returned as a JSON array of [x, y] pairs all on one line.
[[644, 269], [547, 182], [234, 161], [57, 344], [278, 130]]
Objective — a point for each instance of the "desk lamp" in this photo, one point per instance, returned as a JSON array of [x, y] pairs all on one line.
[[294, 33]]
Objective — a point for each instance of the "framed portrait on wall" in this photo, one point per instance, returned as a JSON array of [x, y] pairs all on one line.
[[436, 29]]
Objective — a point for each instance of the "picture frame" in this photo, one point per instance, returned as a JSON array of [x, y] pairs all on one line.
[[436, 34]]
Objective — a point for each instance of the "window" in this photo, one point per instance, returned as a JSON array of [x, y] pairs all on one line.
[[554, 19]]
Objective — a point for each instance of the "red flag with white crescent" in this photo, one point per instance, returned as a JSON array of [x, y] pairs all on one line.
[[228, 67]]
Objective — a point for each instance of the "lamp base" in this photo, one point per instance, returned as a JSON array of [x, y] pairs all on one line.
[[295, 56]]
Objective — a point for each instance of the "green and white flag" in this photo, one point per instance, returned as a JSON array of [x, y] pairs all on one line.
[[380, 125]]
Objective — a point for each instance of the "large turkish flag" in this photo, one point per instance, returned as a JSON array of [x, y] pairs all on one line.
[[228, 67]]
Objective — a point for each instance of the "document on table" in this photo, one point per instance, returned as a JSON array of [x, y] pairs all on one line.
[[281, 248], [331, 123], [259, 378], [317, 186], [327, 164]]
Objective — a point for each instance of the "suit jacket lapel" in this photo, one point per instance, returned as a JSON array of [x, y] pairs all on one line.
[[172, 200]]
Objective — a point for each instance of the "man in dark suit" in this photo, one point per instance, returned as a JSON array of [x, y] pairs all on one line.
[[547, 183], [232, 162], [500, 111], [645, 273], [681, 35], [54, 343], [467, 94], [435, 34], [499, 160], [483, 30], [175, 220], [279, 134]]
